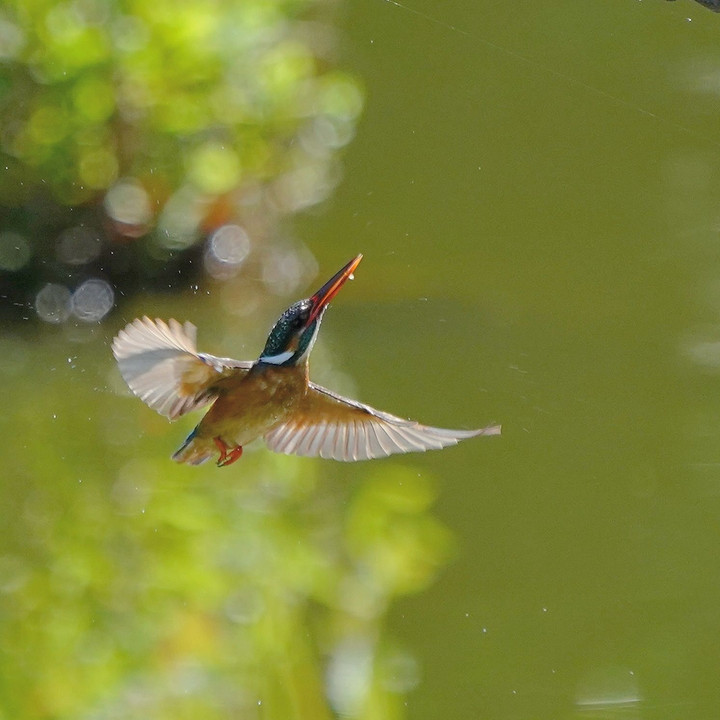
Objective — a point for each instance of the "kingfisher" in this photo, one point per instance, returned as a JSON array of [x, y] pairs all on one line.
[[271, 398]]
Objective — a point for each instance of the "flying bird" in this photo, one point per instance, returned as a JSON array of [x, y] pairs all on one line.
[[271, 398]]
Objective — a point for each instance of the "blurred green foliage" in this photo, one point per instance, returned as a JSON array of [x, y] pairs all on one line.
[[144, 145], [139, 128], [131, 587]]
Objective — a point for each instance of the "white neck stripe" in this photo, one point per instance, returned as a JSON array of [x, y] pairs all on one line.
[[277, 359]]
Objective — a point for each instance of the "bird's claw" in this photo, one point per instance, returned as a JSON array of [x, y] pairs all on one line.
[[227, 455]]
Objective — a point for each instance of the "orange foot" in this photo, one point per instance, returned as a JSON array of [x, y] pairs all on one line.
[[227, 458]]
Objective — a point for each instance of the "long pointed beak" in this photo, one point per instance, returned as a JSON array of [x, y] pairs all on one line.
[[328, 291]]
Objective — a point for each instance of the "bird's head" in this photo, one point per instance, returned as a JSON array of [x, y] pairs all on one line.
[[293, 335]]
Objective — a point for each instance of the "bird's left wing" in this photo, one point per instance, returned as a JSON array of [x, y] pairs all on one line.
[[159, 362], [335, 427]]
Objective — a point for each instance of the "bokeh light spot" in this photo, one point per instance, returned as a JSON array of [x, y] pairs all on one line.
[[94, 99], [130, 33], [287, 65], [48, 125], [281, 272], [180, 220], [12, 39], [327, 133], [98, 168], [78, 245], [608, 688], [128, 203], [214, 168], [341, 96], [230, 244], [349, 675], [64, 22], [52, 303], [401, 673], [304, 187], [226, 251], [93, 300]]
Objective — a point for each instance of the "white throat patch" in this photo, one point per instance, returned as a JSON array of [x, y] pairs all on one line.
[[277, 359]]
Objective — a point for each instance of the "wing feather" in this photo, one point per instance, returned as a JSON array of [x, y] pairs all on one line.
[[386, 442], [160, 364], [353, 446], [331, 426], [326, 449], [314, 447], [310, 435], [303, 439], [285, 436], [341, 441], [375, 448]]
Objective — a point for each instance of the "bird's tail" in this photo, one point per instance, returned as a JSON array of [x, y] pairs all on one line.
[[195, 450]]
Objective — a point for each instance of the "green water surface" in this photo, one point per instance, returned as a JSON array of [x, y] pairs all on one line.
[[535, 188]]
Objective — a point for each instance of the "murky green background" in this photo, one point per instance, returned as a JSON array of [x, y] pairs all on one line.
[[535, 187]]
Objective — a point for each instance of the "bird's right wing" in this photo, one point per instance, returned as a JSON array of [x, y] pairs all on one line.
[[160, 364], [331, 426]]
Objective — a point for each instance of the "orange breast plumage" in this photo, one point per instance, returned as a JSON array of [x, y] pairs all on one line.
[[250, 406]]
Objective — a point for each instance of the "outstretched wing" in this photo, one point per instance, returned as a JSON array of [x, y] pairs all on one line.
[[159, 362], [335, 427]]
